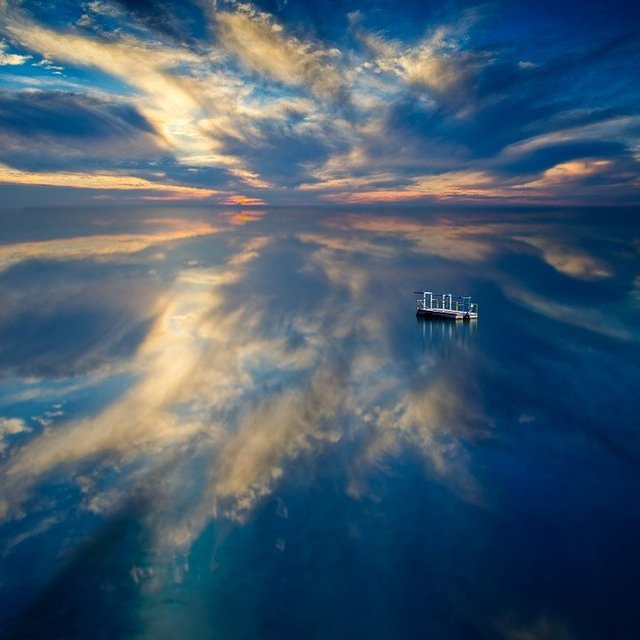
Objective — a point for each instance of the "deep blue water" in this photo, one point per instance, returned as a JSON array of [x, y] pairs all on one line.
[[230, 424]]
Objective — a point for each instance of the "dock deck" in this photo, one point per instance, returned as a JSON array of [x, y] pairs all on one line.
[[446, 306]]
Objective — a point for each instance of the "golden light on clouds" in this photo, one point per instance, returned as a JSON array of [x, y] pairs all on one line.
[[101, 181], [567, 172], [450, 185], [266, 105], [262, 45]]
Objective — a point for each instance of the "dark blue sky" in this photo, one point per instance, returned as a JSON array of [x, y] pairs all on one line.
[[319, 102]]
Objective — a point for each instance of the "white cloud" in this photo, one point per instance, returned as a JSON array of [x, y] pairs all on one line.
[[263, 46], [104, 8], [178, 90], [11, 59], [437, 63], [566, 173], [11, 427], [620, 128]]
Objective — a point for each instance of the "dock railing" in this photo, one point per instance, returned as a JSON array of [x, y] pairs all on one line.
[[445, 301]]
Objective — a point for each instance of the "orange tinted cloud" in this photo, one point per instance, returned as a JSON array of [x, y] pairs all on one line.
[[450, 185], [245, 201], [102, 181]]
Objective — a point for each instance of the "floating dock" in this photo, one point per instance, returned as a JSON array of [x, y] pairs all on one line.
[[445, 306]]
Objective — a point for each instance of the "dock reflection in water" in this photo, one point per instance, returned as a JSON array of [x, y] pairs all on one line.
[[447, 338]]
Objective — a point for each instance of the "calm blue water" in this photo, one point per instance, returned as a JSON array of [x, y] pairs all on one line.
[[230, 424]]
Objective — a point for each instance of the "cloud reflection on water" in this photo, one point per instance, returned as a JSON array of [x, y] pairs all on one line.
[[234, 383], [218, 381], [96, 246]]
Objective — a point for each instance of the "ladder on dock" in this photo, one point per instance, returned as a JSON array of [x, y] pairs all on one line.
[[445, 306]]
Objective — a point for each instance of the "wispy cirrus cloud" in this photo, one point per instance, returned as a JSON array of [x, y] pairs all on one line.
[[618, 128], [263, 45], [438, 62], [104, 181], [450, 185], [365, 110], [52, 129]]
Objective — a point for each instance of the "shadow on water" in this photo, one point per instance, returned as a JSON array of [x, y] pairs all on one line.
[[446, 338], [92, 596]]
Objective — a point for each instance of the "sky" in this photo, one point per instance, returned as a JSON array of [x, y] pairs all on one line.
[[327, 103], [211, 405]]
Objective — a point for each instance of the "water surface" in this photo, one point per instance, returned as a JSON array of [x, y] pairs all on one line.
[[230, 424]]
